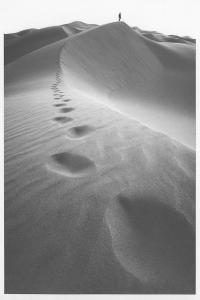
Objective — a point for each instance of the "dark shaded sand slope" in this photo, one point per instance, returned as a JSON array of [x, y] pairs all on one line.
[[33, 40], [96, 202], [160, 37], [152, 82], [26, 41], [37, 66]]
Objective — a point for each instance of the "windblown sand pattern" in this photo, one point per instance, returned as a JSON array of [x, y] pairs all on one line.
[[99, 161]]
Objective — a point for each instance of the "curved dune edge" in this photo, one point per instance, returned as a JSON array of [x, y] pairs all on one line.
[[153, 241], [58, 218], [28, 40], [152, 82]]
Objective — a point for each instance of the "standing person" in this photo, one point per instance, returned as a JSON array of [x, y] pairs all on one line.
[[120, 16]]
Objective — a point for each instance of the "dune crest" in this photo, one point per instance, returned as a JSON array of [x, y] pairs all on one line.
[[152, 82]]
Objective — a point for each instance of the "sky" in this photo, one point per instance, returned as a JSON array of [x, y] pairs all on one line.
[[165, 16]]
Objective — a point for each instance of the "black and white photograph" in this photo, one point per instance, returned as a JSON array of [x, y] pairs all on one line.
[[99, 147]]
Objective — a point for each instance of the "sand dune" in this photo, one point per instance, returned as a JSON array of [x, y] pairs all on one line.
[[159, 37], [95, 200], [26, 41], [34, 67], [33, 40], [77, 27], [10, 38], [152, 82]]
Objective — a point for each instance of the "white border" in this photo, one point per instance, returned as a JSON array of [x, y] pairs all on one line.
[[136, 297]]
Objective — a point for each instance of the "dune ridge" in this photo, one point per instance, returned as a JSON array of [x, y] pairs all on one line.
[[151, 82], [95, 201], [160, 37], [28, 40], [25, 41]]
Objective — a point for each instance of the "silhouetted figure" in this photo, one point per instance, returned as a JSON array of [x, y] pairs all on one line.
[[120, 16]]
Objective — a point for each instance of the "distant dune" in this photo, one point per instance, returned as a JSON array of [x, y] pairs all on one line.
[[99, 161], [40, 37], [26, 41], [159, 37]]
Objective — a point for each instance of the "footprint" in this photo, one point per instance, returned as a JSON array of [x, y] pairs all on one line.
[[153, 241], [67, 100], [79, 131], [59, 104], [63, 119], [66, 109], [71, 165]]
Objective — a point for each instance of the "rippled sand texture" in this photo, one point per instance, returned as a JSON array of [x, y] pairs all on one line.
[[99, 161]]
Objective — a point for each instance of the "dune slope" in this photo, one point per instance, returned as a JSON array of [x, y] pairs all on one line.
[[95, 201], [25, 41], [33, 40], [152, 82]]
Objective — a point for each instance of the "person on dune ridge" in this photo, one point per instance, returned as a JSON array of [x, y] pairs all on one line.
[[120, 16]]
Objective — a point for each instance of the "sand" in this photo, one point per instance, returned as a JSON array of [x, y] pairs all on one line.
[[152, 82], [99, 161]]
